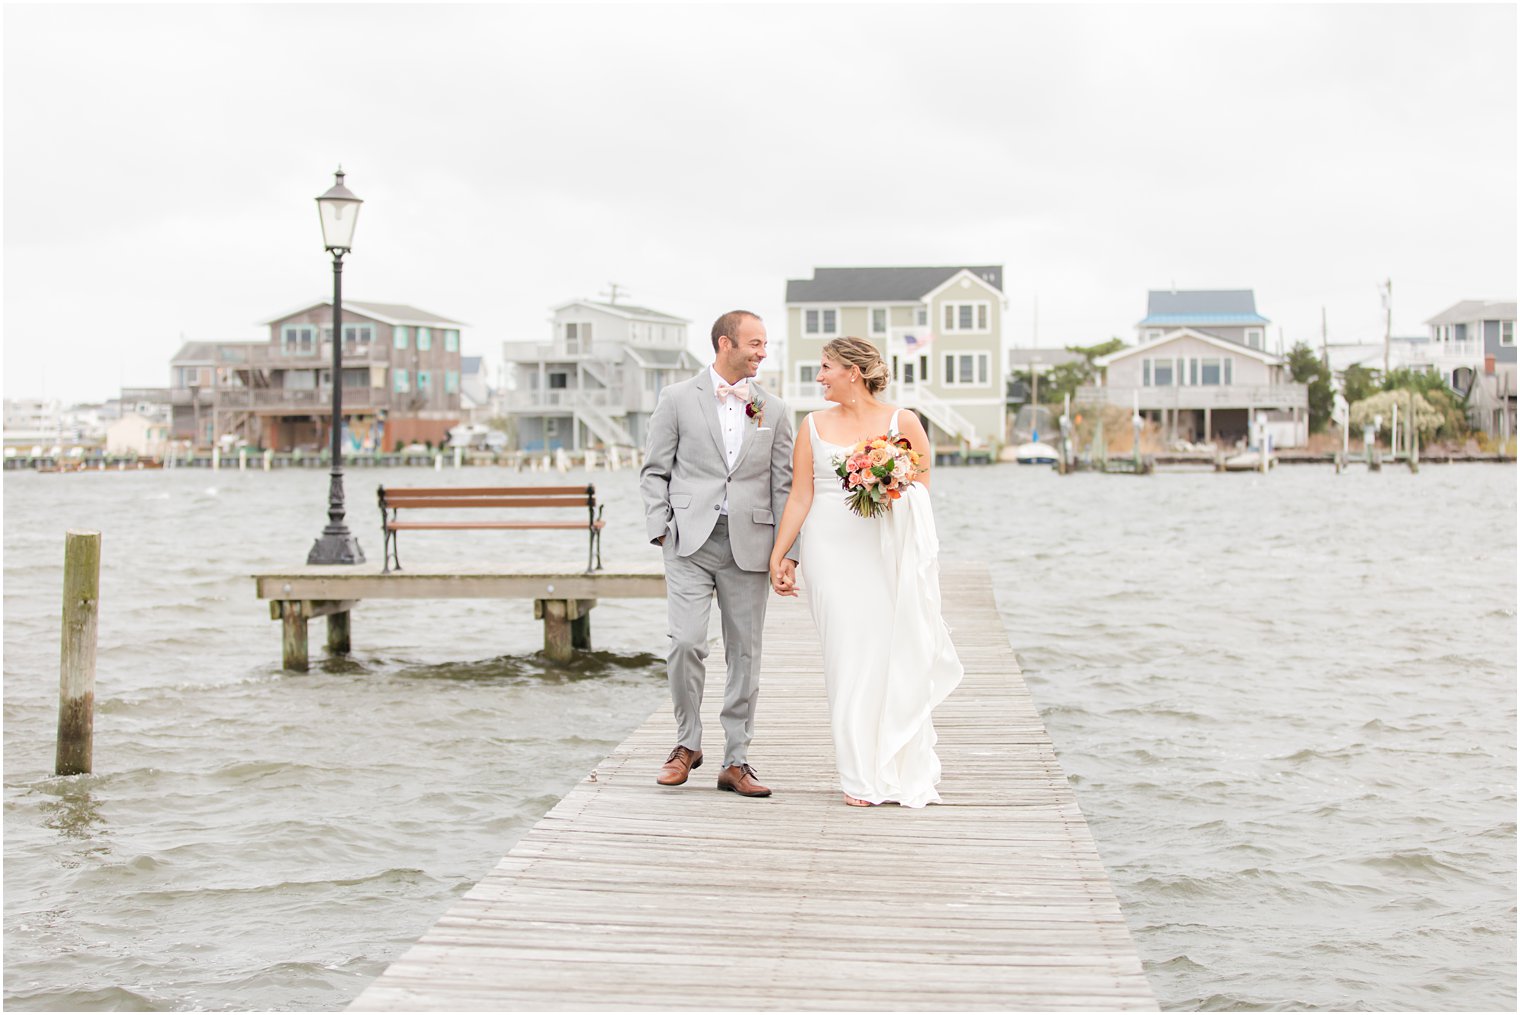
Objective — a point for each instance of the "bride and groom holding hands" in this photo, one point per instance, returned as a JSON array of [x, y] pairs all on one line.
[[737, 505]]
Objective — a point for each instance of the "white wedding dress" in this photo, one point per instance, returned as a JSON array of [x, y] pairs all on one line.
[[873, 586]]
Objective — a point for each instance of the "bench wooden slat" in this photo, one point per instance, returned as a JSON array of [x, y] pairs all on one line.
[[486, 502], [579, 526], [480, 491]]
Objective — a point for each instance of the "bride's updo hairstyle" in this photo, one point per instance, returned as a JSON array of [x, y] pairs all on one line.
[[858, 353]]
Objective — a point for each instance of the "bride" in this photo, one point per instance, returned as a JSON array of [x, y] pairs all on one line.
[[873, 586]]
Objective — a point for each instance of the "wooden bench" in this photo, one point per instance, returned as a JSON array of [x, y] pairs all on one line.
[[393, 500]]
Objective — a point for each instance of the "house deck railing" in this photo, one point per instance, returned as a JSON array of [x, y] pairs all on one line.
[[1198, 396]]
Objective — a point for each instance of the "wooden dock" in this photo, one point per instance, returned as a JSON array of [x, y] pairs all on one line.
[[563, 597], [628, 895]]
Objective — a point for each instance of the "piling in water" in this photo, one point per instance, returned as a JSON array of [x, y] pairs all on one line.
[[76, 679]]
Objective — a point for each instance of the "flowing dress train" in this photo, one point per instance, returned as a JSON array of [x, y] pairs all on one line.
[[873, 587]]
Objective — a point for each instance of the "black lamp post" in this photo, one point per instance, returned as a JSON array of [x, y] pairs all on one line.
[[339, 209]]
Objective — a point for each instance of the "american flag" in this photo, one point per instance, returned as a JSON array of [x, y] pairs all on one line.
[[917, 341]]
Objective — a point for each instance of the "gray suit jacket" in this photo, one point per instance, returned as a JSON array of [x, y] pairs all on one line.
[[685, 472]]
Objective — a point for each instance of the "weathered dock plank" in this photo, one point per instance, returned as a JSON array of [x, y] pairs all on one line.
[[563, 597], [632, 896]]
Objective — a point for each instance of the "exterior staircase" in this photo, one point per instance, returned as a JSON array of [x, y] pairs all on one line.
[[595, 418], [940, 412]]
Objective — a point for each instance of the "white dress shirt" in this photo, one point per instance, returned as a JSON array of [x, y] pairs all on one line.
[[731, 420]]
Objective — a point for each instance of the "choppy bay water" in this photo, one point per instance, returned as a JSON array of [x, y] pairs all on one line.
[[1287, 705]]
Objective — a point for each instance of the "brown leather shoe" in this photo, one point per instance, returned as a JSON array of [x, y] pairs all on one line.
[[678, 766], [741, 779]]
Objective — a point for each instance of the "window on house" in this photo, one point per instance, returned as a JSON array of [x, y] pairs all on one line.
[[923, 368], [966, 317], [299, 339], [878, 320], [1209, 371], [578, 336], [820, 321], [357, 377], [357, 334], [424, 381], [1153, 334], [451, 381], [1163, 373], [402, 381], [559, 380], [1253, 338], [1229, 369], [807, 373], [300, 380], [1459, 333], [551, 427], [1506, 332], [400, 337], [966, 368], [424, 339], [921, 317], [451, 340]]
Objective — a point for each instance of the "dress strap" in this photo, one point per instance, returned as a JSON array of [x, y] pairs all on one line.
[[892, 430], [812, 427]]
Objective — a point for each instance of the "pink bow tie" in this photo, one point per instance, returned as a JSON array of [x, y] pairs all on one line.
[[740, 390]]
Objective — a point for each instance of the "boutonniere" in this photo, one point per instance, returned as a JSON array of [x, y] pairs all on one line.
[[755, 410]]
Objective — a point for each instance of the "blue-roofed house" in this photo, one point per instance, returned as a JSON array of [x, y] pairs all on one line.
[[1202, 372], [1229, 314]]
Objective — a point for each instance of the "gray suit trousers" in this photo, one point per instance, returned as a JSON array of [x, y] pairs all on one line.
[[691, 583]]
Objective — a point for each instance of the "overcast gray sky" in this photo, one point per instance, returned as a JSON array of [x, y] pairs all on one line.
[[160, 163]]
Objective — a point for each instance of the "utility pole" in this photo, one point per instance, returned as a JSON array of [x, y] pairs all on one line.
[[1387, 326], [1324, 335], [613, 292]]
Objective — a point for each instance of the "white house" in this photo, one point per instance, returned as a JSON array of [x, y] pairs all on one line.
[[939, 328], [133, 434], [1200, 387], [597, 379]]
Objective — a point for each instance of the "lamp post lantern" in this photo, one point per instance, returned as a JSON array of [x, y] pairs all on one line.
[[339, 209]]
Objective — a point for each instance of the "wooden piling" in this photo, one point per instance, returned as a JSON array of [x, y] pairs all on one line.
[[76, 680], [555, 613], [293, 649], [338, 641], [580, 625], [1414, 438]]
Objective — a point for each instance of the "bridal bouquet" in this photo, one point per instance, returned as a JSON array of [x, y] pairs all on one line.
[[876, 472]]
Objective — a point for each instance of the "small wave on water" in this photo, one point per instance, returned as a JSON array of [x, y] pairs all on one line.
[[535, 668]]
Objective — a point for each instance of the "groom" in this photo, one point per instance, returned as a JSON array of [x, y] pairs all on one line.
[[716, 474]]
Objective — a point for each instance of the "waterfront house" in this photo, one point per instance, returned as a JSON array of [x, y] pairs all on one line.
[[1472, 343], [940, 329], [401, 381], [1202, 372], [33, 421], [134, 434], [596, 381], [477, 398]]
